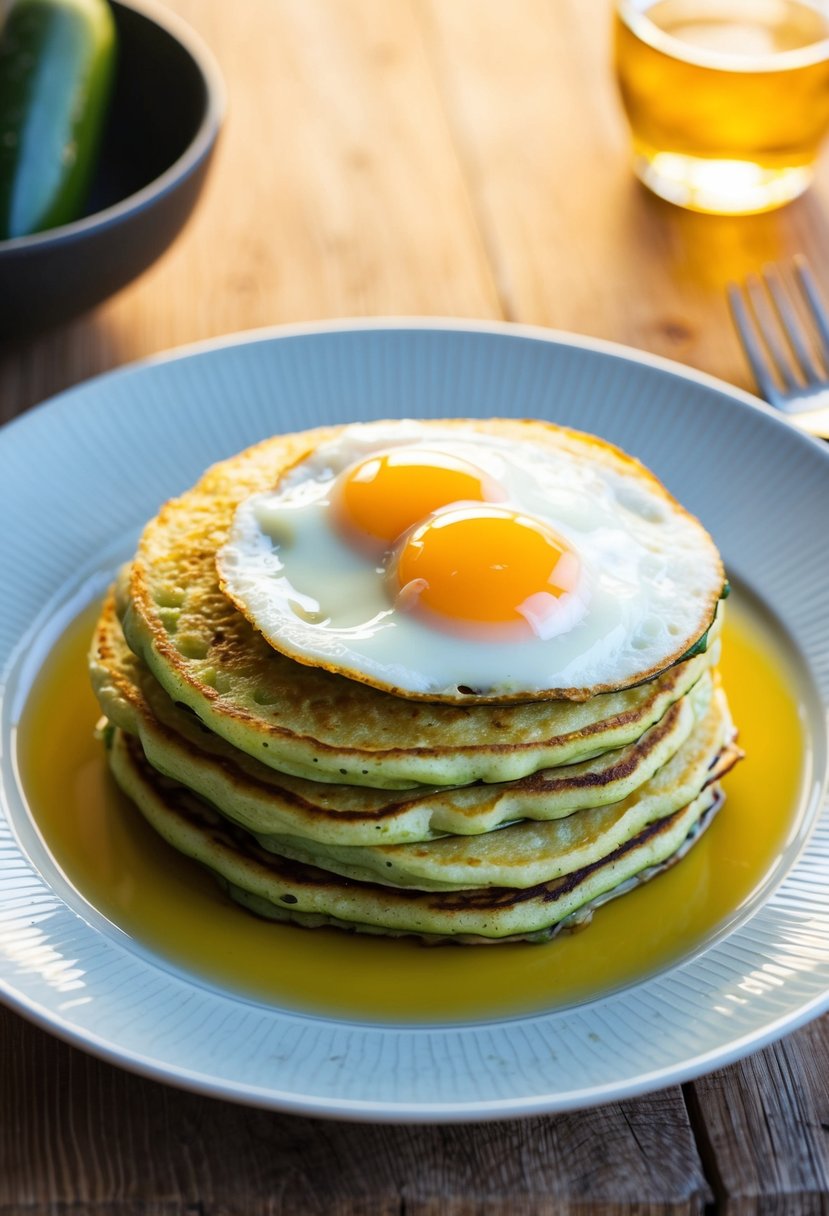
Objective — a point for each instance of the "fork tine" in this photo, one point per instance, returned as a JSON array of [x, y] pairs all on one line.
[[769, 328], [791, 326], [753, 350], [809, 289], [783, 326]]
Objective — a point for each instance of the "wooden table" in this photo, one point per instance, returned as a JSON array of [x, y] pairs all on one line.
[[462, 158]]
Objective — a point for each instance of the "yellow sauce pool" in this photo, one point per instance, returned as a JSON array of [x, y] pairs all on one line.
[[173, 908]]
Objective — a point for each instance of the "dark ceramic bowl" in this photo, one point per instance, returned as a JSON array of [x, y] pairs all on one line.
[[164, 117]]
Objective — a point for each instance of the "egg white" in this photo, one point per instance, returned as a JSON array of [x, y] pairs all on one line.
[[650, 574]]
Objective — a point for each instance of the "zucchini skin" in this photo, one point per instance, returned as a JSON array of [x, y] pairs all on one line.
[[56, 67]]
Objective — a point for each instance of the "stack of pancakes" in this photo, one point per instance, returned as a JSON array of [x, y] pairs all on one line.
[[318, 798]]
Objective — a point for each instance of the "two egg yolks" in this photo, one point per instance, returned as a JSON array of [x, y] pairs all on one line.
[[458, 552]]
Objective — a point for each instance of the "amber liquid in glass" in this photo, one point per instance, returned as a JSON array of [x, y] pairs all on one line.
[[728, 100]]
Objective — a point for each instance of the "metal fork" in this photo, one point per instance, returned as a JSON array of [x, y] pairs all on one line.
[[783, 326]]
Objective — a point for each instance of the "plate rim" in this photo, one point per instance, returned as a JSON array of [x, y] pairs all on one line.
[[358, 324]]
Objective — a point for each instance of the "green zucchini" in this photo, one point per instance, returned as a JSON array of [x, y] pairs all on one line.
[[56, 67]]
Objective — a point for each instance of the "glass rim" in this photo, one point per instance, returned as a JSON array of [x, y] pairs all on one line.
[[635, 17]]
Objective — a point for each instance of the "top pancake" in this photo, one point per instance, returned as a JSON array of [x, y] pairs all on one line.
[[182, 614]]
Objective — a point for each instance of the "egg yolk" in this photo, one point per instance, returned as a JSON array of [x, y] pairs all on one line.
[[488, 566], [383, 495]]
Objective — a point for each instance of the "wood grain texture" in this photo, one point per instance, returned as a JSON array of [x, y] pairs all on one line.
[[762, 1128], [463, 158]]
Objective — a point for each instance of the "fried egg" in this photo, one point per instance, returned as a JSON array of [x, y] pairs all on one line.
[[463, 560]]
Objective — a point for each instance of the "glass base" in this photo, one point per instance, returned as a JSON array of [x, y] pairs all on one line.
[[721, 187]]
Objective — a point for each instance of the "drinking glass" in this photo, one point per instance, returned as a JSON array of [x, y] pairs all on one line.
[[727, 100]]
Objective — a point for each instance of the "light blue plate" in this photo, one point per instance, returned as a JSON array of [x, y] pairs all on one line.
[[79, 476]]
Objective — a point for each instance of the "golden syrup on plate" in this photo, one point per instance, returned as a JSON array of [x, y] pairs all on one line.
[[176, 910]]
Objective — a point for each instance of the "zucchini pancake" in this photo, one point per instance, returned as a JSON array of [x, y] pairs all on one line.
[[453, 679]]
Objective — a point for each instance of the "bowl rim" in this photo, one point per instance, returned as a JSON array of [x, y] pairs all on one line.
[[196, 150]]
